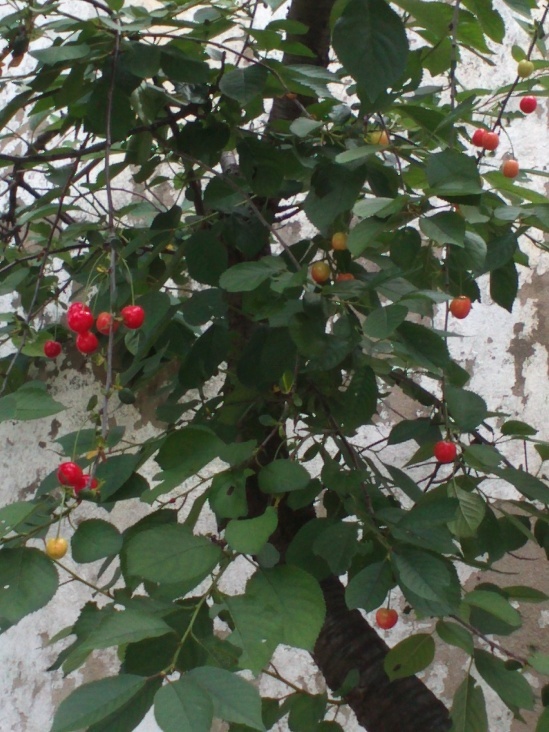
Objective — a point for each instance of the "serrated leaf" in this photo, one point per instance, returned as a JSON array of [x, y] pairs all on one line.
[[337, 546], [369, 587], [469, 708], [516, 428], [95, 701], [456, 635], [244, 84], [183, 706], [510, 686], [370, 41], [125, 626], [170, 554], [95, 539], [410, 656], [426, 576], [540, 661], [471, 510], [444, 228], [527, 484], [246, 276], [495, 604], [28, 580], [466, 408], [30, 401], [283, 476], [381, 323], [234, 699], [249, 536]]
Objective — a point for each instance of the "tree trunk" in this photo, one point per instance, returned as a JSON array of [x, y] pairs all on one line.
[[347, 642]]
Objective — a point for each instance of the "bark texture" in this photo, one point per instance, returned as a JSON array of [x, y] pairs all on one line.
[[347, 642]]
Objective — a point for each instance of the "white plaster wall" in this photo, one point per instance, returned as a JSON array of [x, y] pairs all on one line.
[[494, 344]]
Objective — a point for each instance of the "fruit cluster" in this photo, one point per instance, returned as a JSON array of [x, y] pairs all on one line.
[[320, 271], [71, 475], [489, 139], [81, 320]]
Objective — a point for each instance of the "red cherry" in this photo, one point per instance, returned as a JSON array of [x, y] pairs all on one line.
[[345, 277], [460, 307], [52, 349], [490, 140], [105, 322], [528, 104], [510, 168], [478, 137], [386, 618], [87, 342], [69, 474], [74, 306], [80, 320], [133, 316], [86, 482], [445, 451]]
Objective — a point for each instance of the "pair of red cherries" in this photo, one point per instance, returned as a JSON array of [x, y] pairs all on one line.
[[70, 474], [80, 320]]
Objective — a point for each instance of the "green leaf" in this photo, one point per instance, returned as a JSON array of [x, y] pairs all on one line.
[[23, 516], [183, 706], [360, 401], [369, 587], [525, 594], [206, 257], [244, 84], [306, 711], [283, 476], [504, 285], [370, 41], [280, 605], [495, 604], [337, 546], [59, 54], [246, 276], [452, 174], [426, 576], [444, 228], [383, 321], [114, 473], [527, 484], [540, 661], [469, 708], [170, 554], [516, 428], [28, 580], [543, 721], [95, 539], [466, 408], [95, 701], [334, 190], [422, 344], [181, 66], [471, 510], [510, 686], [410, 656], [456, 635], [188, 450], [303, 126], [126, 626], [249, 536], [30, 401], [234, 699]]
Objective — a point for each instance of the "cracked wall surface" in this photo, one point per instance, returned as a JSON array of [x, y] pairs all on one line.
[[509, 358]]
